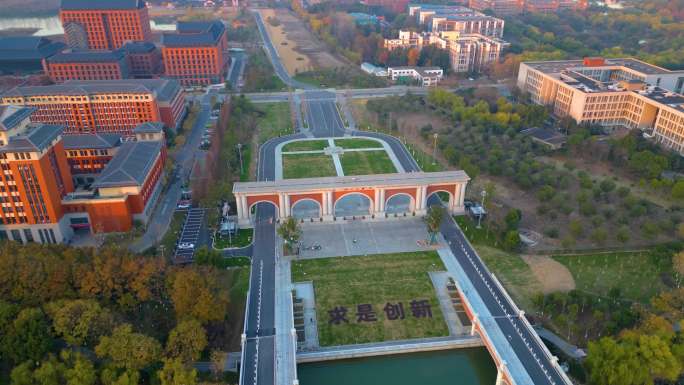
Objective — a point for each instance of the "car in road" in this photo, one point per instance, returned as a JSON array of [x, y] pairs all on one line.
[[186, 246]]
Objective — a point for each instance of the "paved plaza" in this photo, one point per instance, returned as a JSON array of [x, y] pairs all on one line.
[[361, 237]]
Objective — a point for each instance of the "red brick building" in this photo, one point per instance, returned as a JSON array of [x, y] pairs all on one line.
[[104, 24], [87, 65], [116, 106], [397, 6], [42, 201], [196, 54]]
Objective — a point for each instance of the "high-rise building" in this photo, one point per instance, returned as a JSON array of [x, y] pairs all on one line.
[[514, 7], [116, 106], [467, 52], [196, 54], [104, 24], [42, 201], [612, 93]]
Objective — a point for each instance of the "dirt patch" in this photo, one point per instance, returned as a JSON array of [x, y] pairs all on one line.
[[299, 50], [552, 275]]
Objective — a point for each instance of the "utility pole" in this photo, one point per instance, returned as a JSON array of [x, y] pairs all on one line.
[[434, 150]]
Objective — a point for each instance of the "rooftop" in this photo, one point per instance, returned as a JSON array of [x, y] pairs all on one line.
[[149, 128], [91, 141], [88, 56], [662, 96], [11, 116], [72, 5], [37, 138], [194, 33], [165, 89], [130, 166], [27, 48], [360, 181], [139, 47], [555, 67]]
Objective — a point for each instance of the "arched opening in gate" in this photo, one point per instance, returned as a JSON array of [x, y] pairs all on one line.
[[263, 210], [439, 198], [399, 203], [305, 209], [353, 204]]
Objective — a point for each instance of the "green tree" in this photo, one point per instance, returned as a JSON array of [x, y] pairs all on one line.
[[50, 372], [433, 219], [678, 190], [290, 231], [22, 374], [186, 341], [513, 218], [29, 337], [175, 373], [127, 349], [511, 241], [79, 371], [80, 321]]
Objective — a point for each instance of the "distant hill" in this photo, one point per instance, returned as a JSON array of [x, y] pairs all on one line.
[[26, 8]]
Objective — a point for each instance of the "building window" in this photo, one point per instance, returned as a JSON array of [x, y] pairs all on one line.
[[52, 236], [28, 235], [16, 236]]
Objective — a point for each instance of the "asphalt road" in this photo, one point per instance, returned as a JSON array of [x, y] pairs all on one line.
[[471, 264], [234, 76]]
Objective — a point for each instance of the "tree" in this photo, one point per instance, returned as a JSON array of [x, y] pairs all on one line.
[[186, 341], [29, 337], [218, 362], [290, 231], [79, 371], [511, 241], [127, 349], [513, 218], [22, 374], [196, 293], [412, 57], [175, 373], [433, 219], [678, 190], [114, 376], [50, 372], [678, 267], [80, 321]]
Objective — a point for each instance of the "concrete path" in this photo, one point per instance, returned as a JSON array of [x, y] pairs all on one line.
[[389, 347], [336, 158], [305, 291], [285, 342], [362, 237], [439, 281]]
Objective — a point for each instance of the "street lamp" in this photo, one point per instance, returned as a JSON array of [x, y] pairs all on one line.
[[239, 146], [479, 217], [434, 150]]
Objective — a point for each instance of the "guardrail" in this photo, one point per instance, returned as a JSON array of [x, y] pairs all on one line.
[[243, 338]]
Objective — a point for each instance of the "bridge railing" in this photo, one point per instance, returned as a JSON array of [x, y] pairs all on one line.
[[244, 329]]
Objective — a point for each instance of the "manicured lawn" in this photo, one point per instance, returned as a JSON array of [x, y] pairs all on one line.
[[357, 143], [241, 239], [306, 145], [274, 121], [366, 163], [307, 166], [375, 280], [636, 274]]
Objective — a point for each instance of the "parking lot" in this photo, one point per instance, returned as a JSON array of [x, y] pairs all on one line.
[[192, 236]]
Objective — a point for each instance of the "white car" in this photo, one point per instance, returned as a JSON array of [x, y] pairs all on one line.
[[186, 246]]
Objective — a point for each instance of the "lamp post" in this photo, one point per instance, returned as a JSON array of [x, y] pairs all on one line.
[[434, 149], [239, 146]]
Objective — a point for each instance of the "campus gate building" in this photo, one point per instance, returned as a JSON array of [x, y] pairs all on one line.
[[352, 197]]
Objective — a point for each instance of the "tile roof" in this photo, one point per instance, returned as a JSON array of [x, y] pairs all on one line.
[[88, 56], [149, 127], [139, 47], [91, 141], [28, 48], [165, 89], [73, 5], [37, 138], [11, 116], [194, 33], [130, 166]]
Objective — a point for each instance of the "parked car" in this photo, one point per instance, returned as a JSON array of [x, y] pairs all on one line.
[[183, 204], [186, 246]]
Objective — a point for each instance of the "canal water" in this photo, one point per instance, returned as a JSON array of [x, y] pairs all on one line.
[[448, 367]]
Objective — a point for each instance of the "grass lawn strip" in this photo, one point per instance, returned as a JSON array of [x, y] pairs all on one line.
[[375, 280], [241, 239], [305, 145], [307, 166], [274, 120], [366, 163], [636, 274], [357, 143]]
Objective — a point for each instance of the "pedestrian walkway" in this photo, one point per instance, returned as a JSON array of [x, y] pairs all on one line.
[[336, 157], [439, 281], [305, 291], [285, 340]]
